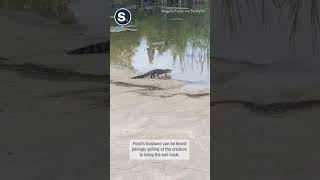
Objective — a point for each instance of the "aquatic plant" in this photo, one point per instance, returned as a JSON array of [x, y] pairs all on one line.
[[184, 35]]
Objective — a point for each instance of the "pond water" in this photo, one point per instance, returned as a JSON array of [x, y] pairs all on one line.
[[158, 40], [179, 41]]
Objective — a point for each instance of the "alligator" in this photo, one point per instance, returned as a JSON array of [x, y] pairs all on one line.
[[101, 47], [153, 73]]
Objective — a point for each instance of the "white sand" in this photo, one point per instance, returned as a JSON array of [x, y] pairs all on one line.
[[169, 113]]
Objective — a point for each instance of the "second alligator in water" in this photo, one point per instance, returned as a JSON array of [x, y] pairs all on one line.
[[101, 47], [153, 73]]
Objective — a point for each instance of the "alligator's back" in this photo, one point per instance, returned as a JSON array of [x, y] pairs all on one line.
[[153, 73], [102, 47]]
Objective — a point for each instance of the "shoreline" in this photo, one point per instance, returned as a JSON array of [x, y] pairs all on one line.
[[119, 74]]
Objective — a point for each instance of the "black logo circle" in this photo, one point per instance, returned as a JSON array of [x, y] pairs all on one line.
[[122, 16]]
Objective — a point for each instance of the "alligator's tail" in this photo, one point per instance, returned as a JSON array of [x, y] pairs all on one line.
[[140, 76], [102, 47]]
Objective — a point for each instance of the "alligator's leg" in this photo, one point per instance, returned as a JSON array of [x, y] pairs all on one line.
[[158, 76], [165, 75]]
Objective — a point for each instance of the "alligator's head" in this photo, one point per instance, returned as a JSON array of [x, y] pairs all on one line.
[[168, 70]]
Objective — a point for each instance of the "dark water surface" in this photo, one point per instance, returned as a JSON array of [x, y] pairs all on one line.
[[260, 30], [91, 14]]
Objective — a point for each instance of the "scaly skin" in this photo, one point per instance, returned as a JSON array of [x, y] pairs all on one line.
[[153, 73]]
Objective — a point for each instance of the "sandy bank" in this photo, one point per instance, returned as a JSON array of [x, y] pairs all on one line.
[[266, 119], [52, 106], [157, 109], [120, 75]]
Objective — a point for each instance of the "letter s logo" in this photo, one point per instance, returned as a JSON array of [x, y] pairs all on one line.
[[122, 16]]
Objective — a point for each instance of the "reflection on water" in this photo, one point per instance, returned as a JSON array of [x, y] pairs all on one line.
[[178, 41], [190, 69]]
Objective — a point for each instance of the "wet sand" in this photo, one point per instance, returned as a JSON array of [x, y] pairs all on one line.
[[266, 123]]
